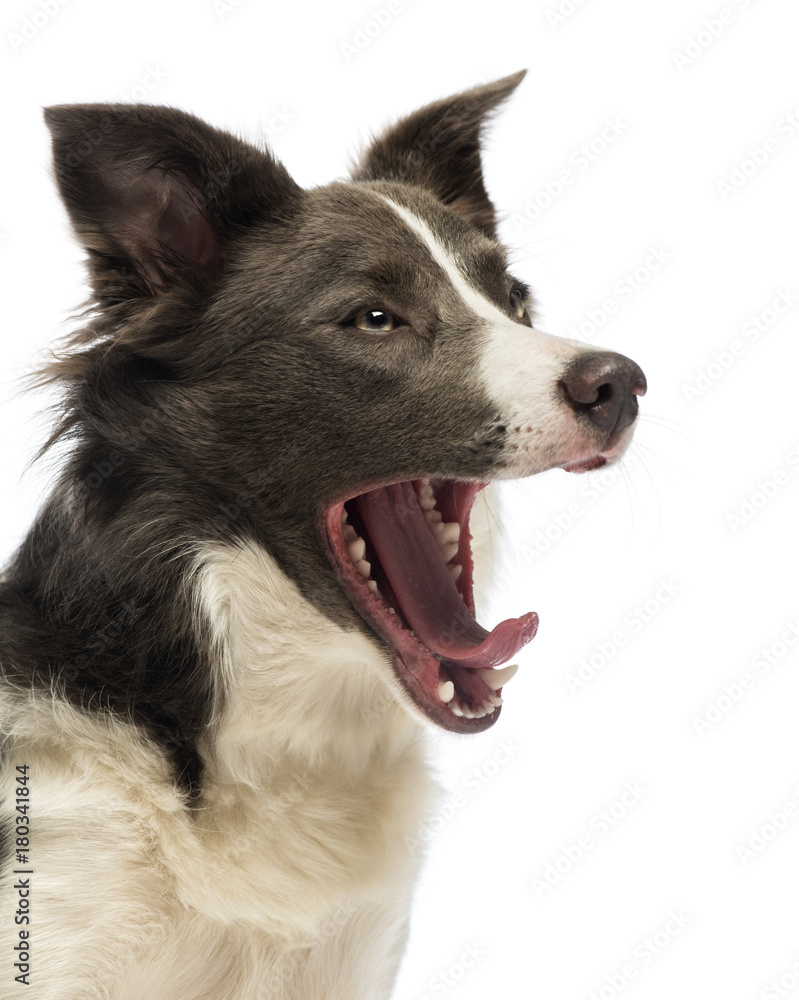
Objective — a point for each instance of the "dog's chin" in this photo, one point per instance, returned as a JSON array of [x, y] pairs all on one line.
[[609, 455], [402, 555]]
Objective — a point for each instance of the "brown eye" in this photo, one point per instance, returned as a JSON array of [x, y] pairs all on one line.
[[517, 303], [375, 321]]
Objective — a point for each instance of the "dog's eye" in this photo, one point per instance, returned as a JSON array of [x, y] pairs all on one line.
[[375, 321], [517, 303]]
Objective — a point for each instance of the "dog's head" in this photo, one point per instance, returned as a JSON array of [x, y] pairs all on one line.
[[334, 373]]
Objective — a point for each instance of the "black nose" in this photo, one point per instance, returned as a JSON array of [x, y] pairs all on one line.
[[604, 386]]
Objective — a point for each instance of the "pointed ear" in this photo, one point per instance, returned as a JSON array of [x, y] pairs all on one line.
[[156, 196], [438, 148]]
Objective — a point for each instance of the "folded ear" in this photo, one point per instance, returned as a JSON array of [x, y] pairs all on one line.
[[438, 148], [155, 195]]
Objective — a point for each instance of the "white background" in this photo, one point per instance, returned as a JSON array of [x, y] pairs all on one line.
[[691, 101]]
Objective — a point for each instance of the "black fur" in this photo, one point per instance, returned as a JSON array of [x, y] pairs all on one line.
[[220, 287]]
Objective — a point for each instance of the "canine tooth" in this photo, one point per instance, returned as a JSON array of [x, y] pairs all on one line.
[[349, 533], [356, 549], [364, 568], [446, 691], [433, 517], [496, 679], [455, 570], [449, 551]]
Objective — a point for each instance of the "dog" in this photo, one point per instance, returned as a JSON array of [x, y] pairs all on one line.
[[250, 593]]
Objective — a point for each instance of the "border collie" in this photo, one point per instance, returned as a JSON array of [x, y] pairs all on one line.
[[250, 591]]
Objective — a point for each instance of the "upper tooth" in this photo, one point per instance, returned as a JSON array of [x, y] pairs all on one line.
[[449, 551], [356, 549], [427, 503], [446, 691], [496, 679]]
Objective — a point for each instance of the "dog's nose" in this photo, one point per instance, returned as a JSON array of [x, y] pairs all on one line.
[[605, 387]]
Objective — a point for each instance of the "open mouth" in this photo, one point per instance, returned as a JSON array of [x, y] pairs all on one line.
[[402, 555]]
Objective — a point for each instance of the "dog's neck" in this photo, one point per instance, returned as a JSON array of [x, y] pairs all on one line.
[[292, 683]]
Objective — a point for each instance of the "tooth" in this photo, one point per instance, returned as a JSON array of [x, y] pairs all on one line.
[[490, 709], [495, 700], [456, 709], [449, 551], [446, 691], [391, 611], [364, 568], [349, 533], [433, 516], [495, 679], [356, 549], [344, 515], [455, 570], [447, 533], [372, 585]]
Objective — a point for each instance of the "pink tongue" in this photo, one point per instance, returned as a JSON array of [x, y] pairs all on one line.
[[429, 600]]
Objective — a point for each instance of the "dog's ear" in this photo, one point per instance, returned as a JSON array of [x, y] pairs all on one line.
[[156, 196], [438, 148]]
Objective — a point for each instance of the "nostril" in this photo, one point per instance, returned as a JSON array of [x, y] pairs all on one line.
[[603, 387]]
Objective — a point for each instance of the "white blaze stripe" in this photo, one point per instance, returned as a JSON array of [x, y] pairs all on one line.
[[520, 367], [478, 304]]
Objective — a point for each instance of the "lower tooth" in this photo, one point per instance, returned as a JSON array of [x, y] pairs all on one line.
[[496, 679], [455, 570], [495, 699], [456, 709], [364, 568], [372, 585], [446, 691]]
